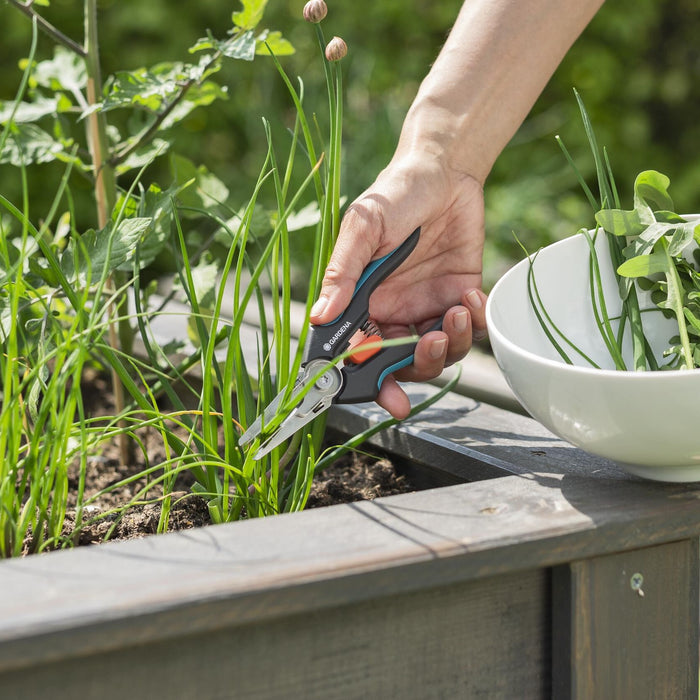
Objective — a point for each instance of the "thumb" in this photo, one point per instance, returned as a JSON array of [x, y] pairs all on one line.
[[352, 253]]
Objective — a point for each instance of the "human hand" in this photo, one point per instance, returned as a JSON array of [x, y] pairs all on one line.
[[441, 276]]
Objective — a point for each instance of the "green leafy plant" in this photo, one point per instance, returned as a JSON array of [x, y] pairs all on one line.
[[66, 294], [75, 285], [649, 244], [662, 243], [63, 112]]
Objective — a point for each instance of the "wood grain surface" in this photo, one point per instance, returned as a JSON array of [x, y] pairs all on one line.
[[531, 506]]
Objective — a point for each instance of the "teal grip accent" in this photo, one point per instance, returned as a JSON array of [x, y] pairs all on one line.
[[400, 253], [369, 270], [397, 366]]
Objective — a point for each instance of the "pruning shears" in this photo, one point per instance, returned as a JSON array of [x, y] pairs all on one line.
[[321, 382]]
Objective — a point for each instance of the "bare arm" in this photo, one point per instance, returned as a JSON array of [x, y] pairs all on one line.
[[495, 63]]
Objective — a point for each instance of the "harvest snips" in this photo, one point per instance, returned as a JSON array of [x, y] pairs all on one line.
[[321, 382]]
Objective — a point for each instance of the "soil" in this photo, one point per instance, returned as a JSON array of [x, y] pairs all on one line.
[[353, 477]]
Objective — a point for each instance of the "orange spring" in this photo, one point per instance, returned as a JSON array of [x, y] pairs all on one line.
[[358, 355], [371, 334]]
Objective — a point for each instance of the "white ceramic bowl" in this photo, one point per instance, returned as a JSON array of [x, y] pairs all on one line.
[[647, 422]]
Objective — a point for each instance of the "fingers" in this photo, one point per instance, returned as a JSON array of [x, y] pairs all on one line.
[[342, 273], [462, 325], [393, 399], [475, 301], [357, 243]]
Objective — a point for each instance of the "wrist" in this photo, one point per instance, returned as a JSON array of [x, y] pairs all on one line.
[[494, 64], [434, 129]]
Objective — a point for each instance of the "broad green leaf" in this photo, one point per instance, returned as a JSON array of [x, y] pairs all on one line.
[[651, 188], [655, 231], [157, 207], [87, 259], [65, 71], [147, 88], [205, 43], [646, 240], [251, 14], [307, 216], [681, 238], [206, 191], [40, 267], [620, 222], [668, 217], [143, 156], [153, 88], [260, 226], [692, 319], [644, 265], [27, 143], [197, 96], [62, 230], [239, 46], [198, 72], [28, 111], [7, 320], [276, 43]]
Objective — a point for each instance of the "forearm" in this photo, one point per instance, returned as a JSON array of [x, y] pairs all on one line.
[[493, 66]]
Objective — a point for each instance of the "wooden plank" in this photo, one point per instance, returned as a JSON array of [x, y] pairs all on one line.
[[183, 583], [481, 379], [473, 440], [626, 625], [486, 638]]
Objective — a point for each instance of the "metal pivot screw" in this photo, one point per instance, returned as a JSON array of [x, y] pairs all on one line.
[[636, 581], [324, 381]]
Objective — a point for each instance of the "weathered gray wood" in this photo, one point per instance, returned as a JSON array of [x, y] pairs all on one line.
[[486, 638], [473, 440], [144, 591], [626, 625], [298, 586]]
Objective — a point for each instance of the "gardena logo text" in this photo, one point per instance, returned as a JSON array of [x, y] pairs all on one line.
[[338, 335]]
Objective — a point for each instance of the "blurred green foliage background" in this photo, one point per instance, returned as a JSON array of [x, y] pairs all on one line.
[[637, 67]]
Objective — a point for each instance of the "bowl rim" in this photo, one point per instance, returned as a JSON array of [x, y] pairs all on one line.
[[622, 375]]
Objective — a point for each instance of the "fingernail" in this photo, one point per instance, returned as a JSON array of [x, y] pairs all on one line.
[[320, 305], [438, 348], [461, 321], [474, 300]]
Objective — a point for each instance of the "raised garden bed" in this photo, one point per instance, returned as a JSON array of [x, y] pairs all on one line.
[[544, 572]]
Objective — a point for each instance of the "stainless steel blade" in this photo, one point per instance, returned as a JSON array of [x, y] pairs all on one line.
[[316, 401], [257, 426]]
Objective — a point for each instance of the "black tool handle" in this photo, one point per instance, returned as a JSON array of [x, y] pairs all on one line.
[[363, 382], [331, 339]]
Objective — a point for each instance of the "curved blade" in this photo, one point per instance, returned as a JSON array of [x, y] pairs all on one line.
[[327, 383]]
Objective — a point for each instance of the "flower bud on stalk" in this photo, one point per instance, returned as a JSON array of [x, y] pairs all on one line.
[[315, 11], [336, 49]]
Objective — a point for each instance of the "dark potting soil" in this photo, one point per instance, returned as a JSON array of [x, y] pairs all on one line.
[[354, 477]]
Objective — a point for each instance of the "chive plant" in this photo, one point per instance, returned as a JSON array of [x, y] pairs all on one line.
[[60, 300], [650, 245], [76, 282], [101, 144], [240, 485]]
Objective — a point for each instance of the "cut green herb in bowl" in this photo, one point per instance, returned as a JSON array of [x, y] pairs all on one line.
[[598, 334]]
